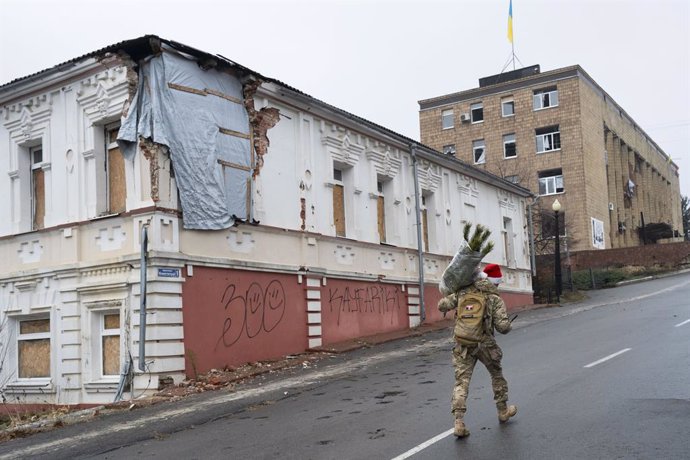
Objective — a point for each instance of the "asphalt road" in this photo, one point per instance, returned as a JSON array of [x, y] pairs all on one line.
[[604, 378]]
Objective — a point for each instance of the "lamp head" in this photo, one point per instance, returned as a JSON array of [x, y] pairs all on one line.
[[556, 206]]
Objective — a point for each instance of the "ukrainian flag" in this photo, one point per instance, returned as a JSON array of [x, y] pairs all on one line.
[[510, 22]]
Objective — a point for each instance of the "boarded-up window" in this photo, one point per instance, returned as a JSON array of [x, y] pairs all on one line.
[[110, 343], [117, 191], [38, 189], [34, 348], [381, 219], [339, 209], [338, 203]]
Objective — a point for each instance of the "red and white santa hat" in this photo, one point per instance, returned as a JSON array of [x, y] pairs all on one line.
[[493, 273]]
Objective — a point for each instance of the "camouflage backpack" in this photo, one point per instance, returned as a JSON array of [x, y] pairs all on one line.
[[469, 323]]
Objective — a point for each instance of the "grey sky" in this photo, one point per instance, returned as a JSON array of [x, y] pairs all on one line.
[[377, 58]]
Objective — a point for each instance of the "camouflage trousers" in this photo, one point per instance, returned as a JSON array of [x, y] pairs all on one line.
[[464, 359]]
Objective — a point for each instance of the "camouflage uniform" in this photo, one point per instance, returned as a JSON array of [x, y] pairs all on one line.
[[487, 351]]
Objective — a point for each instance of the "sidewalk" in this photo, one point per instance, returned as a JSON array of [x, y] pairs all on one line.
[[377, 339]]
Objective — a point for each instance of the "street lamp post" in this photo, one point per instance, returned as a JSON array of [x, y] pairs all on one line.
[[557, 268]]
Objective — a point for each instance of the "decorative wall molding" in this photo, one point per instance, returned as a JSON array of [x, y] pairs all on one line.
[[386, 162], [467, 184], [107, 271], [344, 255], [429, 176], [342, 148], [506, 200], [111, 238], [110, 304], [30, 252], [386, 261], [430, 266], [241, 241], [33, 106], [26, 286], [103, 94]]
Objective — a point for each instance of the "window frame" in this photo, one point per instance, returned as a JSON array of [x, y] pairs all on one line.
[[552, 179], [36, 168], [33, 337], [476, 145], [543, 94], [447, 115], [381, 209], [504, 102], [102, 333], [555, 138], [110, 133], [477, 107], [338, 183], [449, 149], [507, 142]]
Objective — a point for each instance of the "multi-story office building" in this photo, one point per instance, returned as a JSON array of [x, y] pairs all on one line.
[[562, 136]]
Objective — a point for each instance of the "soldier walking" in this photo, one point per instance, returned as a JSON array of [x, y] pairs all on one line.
[[479, 311]]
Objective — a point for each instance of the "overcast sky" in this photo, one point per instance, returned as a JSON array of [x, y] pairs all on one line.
[[377, 58]]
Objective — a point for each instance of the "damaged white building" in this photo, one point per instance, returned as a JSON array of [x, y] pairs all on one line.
[[267, 222]]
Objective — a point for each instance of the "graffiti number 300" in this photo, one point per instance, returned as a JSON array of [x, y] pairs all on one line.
[[249, 314]]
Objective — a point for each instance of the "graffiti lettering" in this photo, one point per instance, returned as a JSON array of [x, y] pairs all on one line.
[[248, 314], [380, 300]]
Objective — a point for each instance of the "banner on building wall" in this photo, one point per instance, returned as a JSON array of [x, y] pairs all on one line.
[[597, 233]]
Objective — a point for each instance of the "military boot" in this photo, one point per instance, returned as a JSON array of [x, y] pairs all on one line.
[[460, 430], [505, 412]]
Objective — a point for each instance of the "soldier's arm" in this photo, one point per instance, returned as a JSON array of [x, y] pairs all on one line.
[[448, 303], [500, 316]]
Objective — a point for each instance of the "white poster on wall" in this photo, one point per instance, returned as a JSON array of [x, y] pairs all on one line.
[[597, 233]]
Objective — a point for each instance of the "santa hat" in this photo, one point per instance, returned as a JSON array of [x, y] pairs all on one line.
[[493, 273]]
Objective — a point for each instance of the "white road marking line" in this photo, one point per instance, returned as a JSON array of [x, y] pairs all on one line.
[[608, 357], [684, 322], [424, 445]]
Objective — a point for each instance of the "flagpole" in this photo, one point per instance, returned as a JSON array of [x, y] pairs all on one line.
[[510, 31]]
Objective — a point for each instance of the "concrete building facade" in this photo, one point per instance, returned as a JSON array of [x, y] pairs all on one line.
[[559, 134], [310, 237]]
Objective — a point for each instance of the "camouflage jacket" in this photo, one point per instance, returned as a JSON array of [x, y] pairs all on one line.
[[497, 317]]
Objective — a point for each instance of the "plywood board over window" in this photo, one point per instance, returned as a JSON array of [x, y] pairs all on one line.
[[381, 219], [111, 344], [117, 190], [339, 210], [34, 349]]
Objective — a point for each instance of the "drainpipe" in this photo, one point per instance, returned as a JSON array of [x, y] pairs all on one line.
[[530, 230], [420, 250], [142, 297]]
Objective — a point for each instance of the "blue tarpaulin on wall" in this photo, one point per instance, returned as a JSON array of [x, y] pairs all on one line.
[[199, 115]]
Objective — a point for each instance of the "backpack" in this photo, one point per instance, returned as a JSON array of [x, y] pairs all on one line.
[[469, 323]]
